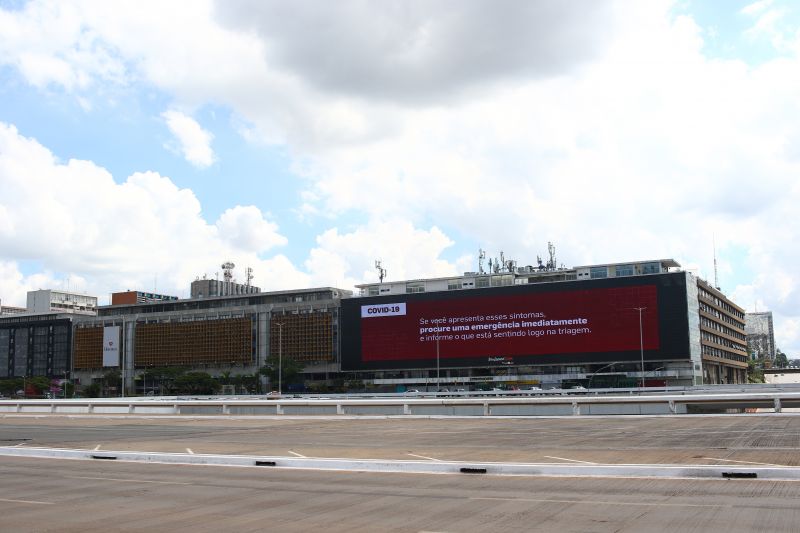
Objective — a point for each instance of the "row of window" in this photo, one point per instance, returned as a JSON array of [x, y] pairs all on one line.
[[721, 303], [721, 316], [722, 341], [717, 352], [710, 324]]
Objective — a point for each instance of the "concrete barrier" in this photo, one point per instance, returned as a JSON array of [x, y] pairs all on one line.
[[561, 405]]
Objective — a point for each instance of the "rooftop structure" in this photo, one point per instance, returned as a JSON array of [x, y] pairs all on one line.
[[48, 300], [139, 297]]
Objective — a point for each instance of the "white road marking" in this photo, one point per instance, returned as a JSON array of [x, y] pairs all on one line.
[[129, 480], [423, 457], [570, 460], [32, 502], [297, 454], [18, 445], [742, 462], [189, 451], [596, 502], [97, 447]]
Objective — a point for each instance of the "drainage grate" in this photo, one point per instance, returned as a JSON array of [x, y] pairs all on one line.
[[265, 463], [106, 457], [473, 470], [739, 475]]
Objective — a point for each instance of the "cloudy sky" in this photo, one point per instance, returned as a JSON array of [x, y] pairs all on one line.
[[144, 143]]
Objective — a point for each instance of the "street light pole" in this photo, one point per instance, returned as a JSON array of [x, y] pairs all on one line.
[[438, 386], [641, 341], [280, 358]]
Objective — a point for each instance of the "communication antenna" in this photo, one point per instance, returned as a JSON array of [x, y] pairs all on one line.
[[227, 271], [551, 250], [502, 261], [714, 245], [248, 276], [481, 257], [381, 270]]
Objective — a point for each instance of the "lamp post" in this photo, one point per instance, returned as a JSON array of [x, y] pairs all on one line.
[[641, 341], [280, 357], [438, 386], [598, 370]]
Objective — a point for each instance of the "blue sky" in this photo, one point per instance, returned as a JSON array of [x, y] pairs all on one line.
[[309, 142]]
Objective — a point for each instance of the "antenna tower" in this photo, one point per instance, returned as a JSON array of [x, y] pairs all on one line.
[[551, 249], [381, 270], [714, 246], [248, 276], [227, 271], [481, 257]]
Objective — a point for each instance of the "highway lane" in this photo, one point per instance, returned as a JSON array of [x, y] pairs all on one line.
[[59, 495], [733, 440]]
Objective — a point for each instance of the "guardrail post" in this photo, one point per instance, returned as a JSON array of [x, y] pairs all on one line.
[[576, 408], [406, 409], [486, 410], [339, 409], [130, 408], [226, 409], [176, 408], [777, 405], [53, 407], [672, 407], [90, 408], [278, 408]]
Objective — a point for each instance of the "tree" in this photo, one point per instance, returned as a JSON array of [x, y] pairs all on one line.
[[289, 370], [781, 361], [195, 383], [92, 390], [755, 371]]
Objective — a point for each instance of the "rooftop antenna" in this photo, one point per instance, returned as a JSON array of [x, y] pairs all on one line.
[[248, 276], [227, 270], [481, 257], [714, 245], [502, 261], [381, 270], [551, 250]]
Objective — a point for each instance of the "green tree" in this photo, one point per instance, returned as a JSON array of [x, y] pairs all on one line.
[[91, 391], [781, 361], [289, 370], [755, 370], [195, 383]]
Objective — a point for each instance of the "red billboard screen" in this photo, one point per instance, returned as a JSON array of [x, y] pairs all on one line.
[[497, 326]]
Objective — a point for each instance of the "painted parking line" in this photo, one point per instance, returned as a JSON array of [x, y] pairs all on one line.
[[31, 502], [129, 480], [570, 460], [742, 462], [423, 457], [297, 454]]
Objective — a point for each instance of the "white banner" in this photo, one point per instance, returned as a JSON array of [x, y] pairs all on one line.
[[111, 346], [369, 311]]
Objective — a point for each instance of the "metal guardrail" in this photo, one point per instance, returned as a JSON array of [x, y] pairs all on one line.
[[509, 405]]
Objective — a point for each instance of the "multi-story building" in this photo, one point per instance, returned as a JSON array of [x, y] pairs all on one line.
[[139, 297], [640, 322], [760, 336], [48, 300], [35, 344], [11, 310], [215, 334]]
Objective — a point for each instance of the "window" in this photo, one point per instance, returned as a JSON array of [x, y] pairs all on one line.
[[482, 282], [598, 272], [624, 270], [415, 287], [372, 291], [651, 268], [453, 285]]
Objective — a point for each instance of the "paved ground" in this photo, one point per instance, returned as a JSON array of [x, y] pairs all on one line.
[[49, 495], [711, 440]]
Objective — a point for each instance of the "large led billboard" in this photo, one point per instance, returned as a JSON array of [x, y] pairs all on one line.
[[563, 322]]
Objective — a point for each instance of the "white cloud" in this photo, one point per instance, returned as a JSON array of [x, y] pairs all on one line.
[[80, 223], [194, 142], [640, 147]]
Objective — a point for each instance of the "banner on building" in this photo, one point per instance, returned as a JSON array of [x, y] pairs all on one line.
[[111, 346]]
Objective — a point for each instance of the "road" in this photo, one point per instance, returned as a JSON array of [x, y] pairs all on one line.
[[711, 440], [58, 495]]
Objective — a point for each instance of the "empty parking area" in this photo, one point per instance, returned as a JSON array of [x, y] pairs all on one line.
[[714, 440]]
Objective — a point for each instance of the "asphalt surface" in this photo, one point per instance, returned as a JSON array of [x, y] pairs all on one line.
[[710, 440], [59, 495]]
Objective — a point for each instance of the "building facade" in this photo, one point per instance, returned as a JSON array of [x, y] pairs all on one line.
[[35, 345], [760, 336], [139, 297], [48, 300]]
